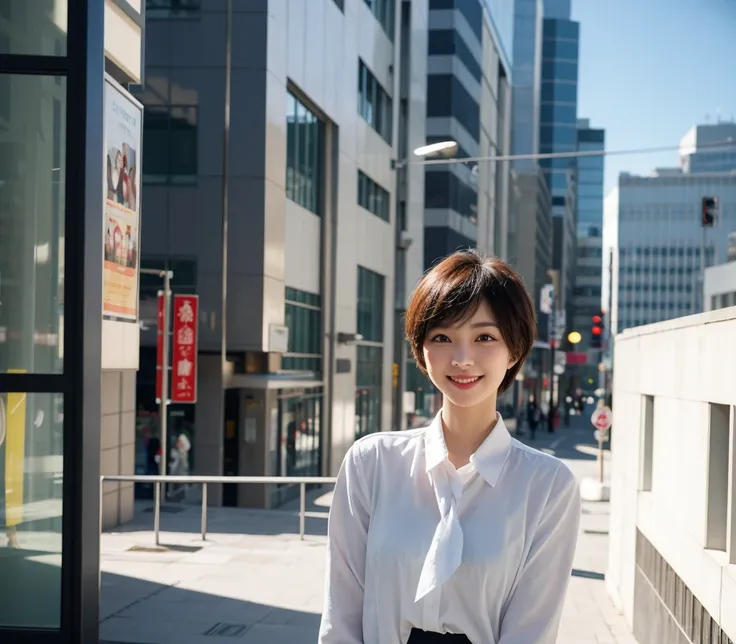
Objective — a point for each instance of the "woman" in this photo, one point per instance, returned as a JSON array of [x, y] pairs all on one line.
[[454, 532]]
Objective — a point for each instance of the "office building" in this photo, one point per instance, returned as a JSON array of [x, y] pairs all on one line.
[[589, 249], [312, 224], [530, 223], [468, 101], [657, 264], [66, 332], [709, 148], [558, 134]]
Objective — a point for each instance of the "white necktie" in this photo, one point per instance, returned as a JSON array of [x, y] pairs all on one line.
[[446, 549]]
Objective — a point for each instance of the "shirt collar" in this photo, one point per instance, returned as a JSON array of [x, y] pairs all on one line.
[[488, 459]]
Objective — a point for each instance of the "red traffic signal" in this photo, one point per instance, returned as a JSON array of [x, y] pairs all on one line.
[[597, 319], [597, 330]]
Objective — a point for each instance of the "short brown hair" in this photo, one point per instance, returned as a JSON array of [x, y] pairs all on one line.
[[454, 289]]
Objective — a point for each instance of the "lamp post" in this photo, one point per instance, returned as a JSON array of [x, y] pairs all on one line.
[[403, 243]]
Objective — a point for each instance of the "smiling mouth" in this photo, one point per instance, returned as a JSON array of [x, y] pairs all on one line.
[[464, 382]]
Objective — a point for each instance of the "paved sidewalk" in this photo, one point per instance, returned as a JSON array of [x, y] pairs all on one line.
[[255, 582]]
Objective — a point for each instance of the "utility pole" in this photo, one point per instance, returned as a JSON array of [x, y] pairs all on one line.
[[163, 402]]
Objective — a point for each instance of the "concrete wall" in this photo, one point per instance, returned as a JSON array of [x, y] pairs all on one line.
[[118, 444], [672, 561]]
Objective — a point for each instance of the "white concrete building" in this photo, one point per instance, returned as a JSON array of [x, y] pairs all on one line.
[[672, 559]]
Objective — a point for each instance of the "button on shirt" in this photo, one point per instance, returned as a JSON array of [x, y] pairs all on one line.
[[485, 550]]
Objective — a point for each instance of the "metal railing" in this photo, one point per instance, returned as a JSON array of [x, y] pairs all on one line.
[[204, 481]]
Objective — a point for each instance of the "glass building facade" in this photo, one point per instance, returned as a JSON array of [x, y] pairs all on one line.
[[589, 251], [52, 56], [558, 134]]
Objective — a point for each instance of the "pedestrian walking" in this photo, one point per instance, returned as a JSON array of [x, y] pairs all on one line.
[[455, 532]]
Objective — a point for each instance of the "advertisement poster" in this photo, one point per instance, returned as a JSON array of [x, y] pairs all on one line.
[[122, 204], [184, 361]]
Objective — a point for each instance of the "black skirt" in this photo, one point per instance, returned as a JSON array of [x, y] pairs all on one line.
[[426, 637]]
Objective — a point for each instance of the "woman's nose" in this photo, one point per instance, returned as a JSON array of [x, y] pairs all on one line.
[[462, 358]]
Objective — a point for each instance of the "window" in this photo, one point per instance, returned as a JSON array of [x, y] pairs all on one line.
[[446, 96], [173, 8], [443, 189], [170, 145], [374, 104], [33, 176], [369, 368], [385, 12], [647, 441], [372, 197], [304, 155], [368, 390], [304, 321], [716, 533], [340, 4], [370, 305]]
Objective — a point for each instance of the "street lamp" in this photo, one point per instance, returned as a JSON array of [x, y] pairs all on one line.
[[441, 148]]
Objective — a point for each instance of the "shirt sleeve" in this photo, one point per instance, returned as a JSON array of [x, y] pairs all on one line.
[[347, 533], [532, 615]]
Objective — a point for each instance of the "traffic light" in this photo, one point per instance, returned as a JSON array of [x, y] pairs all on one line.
[[708, 211], [596, 332]]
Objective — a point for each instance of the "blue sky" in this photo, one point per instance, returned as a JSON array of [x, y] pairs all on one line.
[[650, 69]]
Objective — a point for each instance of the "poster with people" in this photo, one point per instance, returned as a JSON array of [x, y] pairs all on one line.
[[123, 116]]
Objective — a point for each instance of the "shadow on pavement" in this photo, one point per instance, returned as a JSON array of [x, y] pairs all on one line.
[[29, 589], [145, 612], [587, 574]]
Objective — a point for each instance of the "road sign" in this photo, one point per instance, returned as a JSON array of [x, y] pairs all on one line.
[[602, 418]]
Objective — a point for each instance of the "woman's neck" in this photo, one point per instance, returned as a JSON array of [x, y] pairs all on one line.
[[465, 428]]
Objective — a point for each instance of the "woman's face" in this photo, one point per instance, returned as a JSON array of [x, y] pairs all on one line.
[[468, 361]]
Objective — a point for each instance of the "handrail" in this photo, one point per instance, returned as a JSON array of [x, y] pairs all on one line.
[[158, 480]]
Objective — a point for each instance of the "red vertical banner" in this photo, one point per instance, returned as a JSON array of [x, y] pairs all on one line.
[[184, 358], [160, 337]]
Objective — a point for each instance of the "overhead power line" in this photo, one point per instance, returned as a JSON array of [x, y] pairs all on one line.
[[718, 146]]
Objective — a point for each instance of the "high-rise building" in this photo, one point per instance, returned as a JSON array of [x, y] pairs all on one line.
[[660, 245], [589, 246], [311, 222], [468, 101], [530, 223], [558, 134]]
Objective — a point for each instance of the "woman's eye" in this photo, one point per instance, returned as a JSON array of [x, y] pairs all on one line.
[[486, 338], [440, 338]]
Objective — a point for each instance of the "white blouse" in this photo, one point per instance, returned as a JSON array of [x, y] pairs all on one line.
[[486, 550]]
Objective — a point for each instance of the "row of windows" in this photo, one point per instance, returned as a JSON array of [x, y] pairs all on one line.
[[559, 113], [563, 70], [443, 189], [385, 12], [374, 104], [663, 288], [662, 250], [373, 197], [562, 49], [722, 300], [587, 291], [448, 42], [173, 8], [170, 145], [304, 155], [565, 29], [555, 91], [471, 10], [446, 96]]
